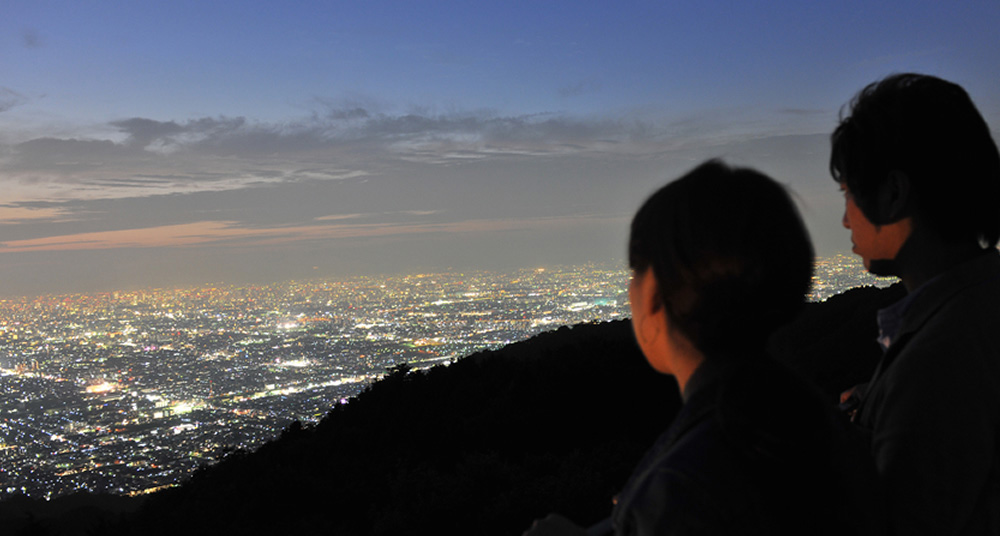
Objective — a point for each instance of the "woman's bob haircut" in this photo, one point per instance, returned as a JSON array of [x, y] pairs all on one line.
[[731, 256]]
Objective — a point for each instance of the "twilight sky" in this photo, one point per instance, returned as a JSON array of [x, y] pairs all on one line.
[[155, 144]]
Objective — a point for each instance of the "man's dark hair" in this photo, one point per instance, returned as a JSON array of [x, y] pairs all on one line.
[[731, 256], [928, 129]]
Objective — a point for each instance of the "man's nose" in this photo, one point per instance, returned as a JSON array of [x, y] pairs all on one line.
[[844, 221]]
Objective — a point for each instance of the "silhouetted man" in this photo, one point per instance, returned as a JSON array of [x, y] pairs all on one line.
[[921, 180]]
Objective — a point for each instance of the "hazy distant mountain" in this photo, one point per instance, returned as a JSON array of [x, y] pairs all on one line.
[[483, 446]]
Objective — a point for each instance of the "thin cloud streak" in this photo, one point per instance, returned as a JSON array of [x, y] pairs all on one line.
[[10, 98], [223, 234]]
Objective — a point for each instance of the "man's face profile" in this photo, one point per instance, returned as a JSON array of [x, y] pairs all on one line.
[[877, 245]]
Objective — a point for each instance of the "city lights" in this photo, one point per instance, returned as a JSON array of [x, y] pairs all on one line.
[[128, 392]]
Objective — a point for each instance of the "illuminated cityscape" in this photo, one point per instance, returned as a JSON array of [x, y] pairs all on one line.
[[129, 392], [836, 274]]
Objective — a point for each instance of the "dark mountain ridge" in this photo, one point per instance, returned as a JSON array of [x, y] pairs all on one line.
[[483, 446]]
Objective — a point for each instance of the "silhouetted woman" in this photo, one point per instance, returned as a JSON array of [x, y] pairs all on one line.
[[720, 259]]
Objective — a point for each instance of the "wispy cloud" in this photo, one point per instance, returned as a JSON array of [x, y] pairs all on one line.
[[25, 214], [580, 88], [150, 157], [30, 38], [339, 217], [381, 215], [227, 234], [10, 98]]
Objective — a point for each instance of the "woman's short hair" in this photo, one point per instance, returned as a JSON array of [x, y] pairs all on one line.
[[929, 129], [730, 253]]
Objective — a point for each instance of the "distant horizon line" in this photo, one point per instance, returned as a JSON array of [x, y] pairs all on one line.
[[604, 264]]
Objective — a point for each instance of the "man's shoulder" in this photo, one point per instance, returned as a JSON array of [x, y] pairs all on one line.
[[961, 313], [970, 290], [976, 297], [967, 322], [955, 349]]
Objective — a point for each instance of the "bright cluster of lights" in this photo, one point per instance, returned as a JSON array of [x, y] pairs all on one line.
[[103, 387]]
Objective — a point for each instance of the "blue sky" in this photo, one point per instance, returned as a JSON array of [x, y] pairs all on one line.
[[177, 143]]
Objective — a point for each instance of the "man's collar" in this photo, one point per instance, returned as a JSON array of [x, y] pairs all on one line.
[[923, 301]]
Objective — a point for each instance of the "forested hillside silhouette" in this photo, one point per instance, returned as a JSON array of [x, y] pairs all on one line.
[[483, 446]]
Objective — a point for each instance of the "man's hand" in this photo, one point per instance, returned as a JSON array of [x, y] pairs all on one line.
[[851, 399]]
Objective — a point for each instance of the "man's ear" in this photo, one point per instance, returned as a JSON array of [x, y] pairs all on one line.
[[894, 197]]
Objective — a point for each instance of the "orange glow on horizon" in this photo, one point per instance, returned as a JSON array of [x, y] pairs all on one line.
[[218, 233]]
